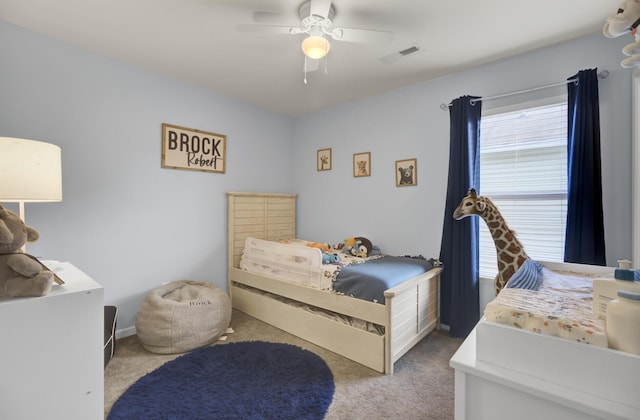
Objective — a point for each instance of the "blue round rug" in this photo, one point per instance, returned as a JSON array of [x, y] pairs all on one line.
[[244, 380]]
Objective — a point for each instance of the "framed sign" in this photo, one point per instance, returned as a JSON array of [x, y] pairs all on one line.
[[196, 150], [324, 160], [406, 172], [362, 164]]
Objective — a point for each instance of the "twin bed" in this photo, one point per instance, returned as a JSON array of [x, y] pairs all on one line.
[[284, 283]]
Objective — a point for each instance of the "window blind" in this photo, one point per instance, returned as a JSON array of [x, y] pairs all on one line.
[[523, 170]]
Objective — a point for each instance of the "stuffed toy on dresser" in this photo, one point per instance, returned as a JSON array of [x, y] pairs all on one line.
[[20, 274]]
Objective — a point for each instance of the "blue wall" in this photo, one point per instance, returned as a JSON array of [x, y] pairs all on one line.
[[409, 122], [124, 220], [132, 225]]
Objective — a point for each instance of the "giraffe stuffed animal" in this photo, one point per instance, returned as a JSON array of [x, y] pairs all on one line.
[[509, 251]]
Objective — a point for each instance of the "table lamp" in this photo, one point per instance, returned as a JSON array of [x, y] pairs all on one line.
[[30, 171]]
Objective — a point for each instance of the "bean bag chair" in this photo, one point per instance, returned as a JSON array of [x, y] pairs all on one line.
[[181, 316]]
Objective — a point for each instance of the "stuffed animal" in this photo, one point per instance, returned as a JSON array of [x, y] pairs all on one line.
[[626, 21], [357, 246], [20, 273], [319, 245], [333, 258]]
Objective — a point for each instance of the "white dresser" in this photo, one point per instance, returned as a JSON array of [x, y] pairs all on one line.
[[51, 351]]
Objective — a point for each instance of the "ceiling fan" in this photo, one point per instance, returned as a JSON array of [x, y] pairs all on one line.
[[316, 21]]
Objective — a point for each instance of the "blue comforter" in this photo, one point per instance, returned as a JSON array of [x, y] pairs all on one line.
[[369, 280]]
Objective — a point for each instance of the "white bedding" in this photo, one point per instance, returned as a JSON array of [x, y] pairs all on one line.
[[294, 261], [562, 307]]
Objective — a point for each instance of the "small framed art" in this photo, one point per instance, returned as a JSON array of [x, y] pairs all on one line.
[[324, 160], [362, 164], [406, 172]]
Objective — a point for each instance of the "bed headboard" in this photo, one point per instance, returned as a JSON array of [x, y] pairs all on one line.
[[269, 216]]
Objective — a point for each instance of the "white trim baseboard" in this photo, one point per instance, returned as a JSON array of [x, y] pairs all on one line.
[[125, 332]]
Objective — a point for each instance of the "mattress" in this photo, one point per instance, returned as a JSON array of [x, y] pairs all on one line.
[[369, 281], [561, 307]]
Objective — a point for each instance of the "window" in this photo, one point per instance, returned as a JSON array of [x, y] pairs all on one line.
[[523, 169]]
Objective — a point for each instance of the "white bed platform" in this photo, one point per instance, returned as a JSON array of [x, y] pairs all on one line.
[[502, 372], [411, 310]]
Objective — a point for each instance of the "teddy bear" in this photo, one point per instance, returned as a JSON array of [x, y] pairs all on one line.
[[20, 273], [406, 175]]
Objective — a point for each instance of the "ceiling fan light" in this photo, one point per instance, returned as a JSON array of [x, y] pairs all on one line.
[[315, 46]]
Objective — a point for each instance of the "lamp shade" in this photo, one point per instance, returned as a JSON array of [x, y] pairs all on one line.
[[30, 171], [315, 46]]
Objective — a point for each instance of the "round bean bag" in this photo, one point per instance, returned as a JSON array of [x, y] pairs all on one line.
[[181, 316]]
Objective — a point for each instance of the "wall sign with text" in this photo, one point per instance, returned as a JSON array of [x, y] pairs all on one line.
[[196, 150]]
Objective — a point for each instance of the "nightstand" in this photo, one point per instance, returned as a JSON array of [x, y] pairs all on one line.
[[51, 356]]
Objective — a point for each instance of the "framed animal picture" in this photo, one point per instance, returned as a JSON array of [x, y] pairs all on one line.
[[324, 160], [362, 164], [407, 172]]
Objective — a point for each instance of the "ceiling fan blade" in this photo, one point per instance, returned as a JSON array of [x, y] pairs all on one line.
[[248, 27], [272, 18], [320, 8], [363, 36]]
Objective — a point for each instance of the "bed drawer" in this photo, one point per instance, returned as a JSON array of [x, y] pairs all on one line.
[[363, 347]]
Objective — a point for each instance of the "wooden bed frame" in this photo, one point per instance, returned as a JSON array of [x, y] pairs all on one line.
[[410, 312]]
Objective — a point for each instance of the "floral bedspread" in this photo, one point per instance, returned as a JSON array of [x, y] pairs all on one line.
[[562, 307]]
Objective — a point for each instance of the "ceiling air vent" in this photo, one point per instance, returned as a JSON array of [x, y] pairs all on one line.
[[395, 56]]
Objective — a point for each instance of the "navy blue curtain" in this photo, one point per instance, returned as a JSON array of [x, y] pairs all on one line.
[[584, 238], [460, 295]]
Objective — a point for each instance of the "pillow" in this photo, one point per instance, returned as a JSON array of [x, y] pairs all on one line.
[[528, 276]]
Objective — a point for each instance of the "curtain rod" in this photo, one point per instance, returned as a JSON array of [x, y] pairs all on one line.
[[601, 75]]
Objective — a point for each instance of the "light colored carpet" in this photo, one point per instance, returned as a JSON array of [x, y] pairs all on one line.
[[420, 388]]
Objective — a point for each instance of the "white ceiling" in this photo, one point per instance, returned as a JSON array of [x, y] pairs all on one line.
[[196, 41]]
